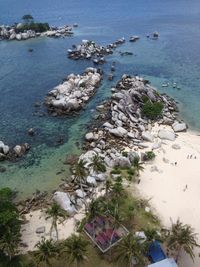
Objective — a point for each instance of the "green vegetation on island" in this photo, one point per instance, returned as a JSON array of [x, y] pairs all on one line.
[[152, 110], [10, 224], [30, 24]]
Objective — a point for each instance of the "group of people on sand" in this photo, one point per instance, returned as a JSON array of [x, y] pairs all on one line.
[[191, 157]]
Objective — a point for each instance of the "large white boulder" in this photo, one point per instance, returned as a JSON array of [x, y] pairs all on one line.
[[119, 131], [179, 127], [109, 162], [131, 135], [19, 36], [25, 36], [12, 36], [6, 149], [108, 125], [166, 135], [80, 193], [123, 162], [91, 180], [73, 104], [89, 136], [147, 136], [18, 150], [100, 177], [64, 201], [88, 156], [19, 25]]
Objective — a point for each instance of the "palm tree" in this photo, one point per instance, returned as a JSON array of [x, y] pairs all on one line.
[[138, 166], [113, 209], [47, 250], [108, 187], [75, 248], [182, 237], [97, 164], [80, 172], [95, 209], [130, 251], [57, 214], [9, 242], [117, 189], [130, 213]]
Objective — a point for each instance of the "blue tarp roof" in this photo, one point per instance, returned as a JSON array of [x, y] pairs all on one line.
[[155, 252], [164, 263]]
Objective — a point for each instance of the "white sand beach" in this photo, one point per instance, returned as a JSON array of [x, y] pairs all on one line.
[[175, 189], [36, 219]]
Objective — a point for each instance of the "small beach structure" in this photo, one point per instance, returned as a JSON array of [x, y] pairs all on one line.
[[156, 252], [164, 263], [104, 232]]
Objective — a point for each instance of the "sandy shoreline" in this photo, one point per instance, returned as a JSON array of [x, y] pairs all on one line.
[[175, 189], [37, 219]]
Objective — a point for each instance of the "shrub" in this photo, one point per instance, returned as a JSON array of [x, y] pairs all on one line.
[[152, 110], [37, 27], [149, 155], [83, 84], [125, 154], [131, 171], [145, 98], [27, 17], [10, 223]]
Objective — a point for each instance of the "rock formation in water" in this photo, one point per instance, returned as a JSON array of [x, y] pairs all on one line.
[[73, 93]]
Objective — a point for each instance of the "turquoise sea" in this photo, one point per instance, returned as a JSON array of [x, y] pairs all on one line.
[[26, 77]]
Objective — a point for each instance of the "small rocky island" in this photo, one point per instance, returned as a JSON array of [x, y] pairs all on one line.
[[73, 93], [28, 28], [90, 50], [12, 153]]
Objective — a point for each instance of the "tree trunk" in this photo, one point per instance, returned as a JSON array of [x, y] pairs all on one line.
[[178, 253], [56, 229], [51, 229], [86, 206]]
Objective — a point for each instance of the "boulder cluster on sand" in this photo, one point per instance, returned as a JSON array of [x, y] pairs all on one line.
[[73, 93], [7, 153], [14, 32], [120, 124], [91, 50]]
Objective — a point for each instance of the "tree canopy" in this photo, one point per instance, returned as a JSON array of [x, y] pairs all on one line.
[[10, 223], [27, 17]]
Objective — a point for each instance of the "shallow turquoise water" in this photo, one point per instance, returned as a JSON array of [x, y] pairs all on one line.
[[26, 77]]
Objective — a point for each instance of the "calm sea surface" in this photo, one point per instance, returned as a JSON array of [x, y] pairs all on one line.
[[26, 77]]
